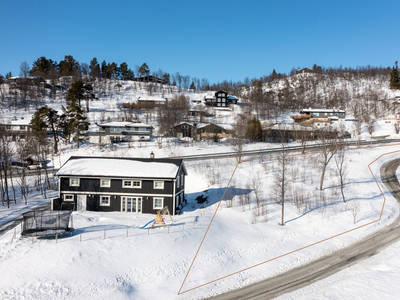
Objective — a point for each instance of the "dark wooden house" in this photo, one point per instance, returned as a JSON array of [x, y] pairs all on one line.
[[185, 129], [115, 132], [150, 79], [219, 99], [130, 185]]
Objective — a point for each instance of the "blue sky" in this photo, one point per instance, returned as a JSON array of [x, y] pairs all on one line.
[[217, 40]]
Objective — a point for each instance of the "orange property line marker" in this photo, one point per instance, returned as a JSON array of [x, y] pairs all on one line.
[[291, 252]]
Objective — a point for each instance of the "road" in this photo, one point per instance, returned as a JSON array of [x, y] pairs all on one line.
[[328, 265]]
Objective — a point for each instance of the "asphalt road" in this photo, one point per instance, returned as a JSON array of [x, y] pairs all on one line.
[[328, 265]]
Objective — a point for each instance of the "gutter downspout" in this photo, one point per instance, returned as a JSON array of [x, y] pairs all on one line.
[[173, 197]]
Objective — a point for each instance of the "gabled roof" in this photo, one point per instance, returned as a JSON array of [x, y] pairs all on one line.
[[82, 166]]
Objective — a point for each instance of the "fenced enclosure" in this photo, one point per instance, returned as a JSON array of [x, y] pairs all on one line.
[[45, 222]]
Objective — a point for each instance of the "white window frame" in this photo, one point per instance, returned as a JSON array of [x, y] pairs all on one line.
[[74, 184], [105, 197], [154, 203], [136, 186], [105, 185], [125, 186], [155, 185], [112, 129], [70, 197], [132, 184]]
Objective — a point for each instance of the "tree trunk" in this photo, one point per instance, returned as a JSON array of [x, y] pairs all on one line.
[[322, 177]]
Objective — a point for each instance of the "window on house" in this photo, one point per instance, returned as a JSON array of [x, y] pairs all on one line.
[[74, 182], [21, 127], [158, 203], [68, 197], [182, 180], [178, 182], [118, 129], [112, 129], [127, 183], [8, 126], [105, 182], [158, 184], [104, 200], [137, 184]]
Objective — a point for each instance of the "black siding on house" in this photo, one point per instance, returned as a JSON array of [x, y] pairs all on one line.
[[91, 188]]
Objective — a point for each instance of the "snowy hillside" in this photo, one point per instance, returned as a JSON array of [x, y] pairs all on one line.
[[110, 255]]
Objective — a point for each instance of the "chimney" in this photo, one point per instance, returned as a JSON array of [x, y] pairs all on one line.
[[152, 155]]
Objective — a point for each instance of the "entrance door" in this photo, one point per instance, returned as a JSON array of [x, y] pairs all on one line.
[[81, 202], [131, 204]]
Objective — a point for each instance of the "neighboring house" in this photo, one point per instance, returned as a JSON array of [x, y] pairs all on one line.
[[29, 80], [305, 70], [232, 99], [198, 113], [331, 114], [394, 120], [115, 132], [209, 130], [130, 185], [185, 129], [150, 79], [292, 132], [220, 99], [201, 130], [16, 130], [153, 100]]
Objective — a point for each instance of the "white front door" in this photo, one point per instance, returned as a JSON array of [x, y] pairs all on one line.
[[81, 202], [131, 204]]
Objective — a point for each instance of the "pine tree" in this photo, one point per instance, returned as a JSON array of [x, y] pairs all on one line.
[[254, 130], [395, 78], [144, 70], [47, 119], [74, 120]]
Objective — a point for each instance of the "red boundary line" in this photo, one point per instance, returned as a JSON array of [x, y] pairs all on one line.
[[291, 252]]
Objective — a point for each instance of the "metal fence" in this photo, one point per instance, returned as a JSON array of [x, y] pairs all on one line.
[[43, 222]]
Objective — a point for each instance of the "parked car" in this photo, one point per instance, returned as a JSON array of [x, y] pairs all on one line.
[[35, 166]]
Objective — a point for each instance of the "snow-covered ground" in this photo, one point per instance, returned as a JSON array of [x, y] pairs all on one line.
[[146, 264], [110, 256], [377, 277]]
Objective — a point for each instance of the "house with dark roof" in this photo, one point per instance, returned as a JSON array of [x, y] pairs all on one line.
[[128, 185], [16, 129], [220, 99], [115, 132]]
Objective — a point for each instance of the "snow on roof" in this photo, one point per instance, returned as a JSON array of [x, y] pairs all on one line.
[[124, 124], [120, 167], [322, 110], [17, 122], [151, 98]]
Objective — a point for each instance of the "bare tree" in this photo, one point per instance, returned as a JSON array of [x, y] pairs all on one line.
[[281, 180], [6, 153], [256, 185], [355, 210], [239, 129], [328, 150], [341, 167]]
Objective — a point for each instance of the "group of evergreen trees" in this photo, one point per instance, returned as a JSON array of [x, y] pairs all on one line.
[[47, 68], [72, 124], [395, 78]]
